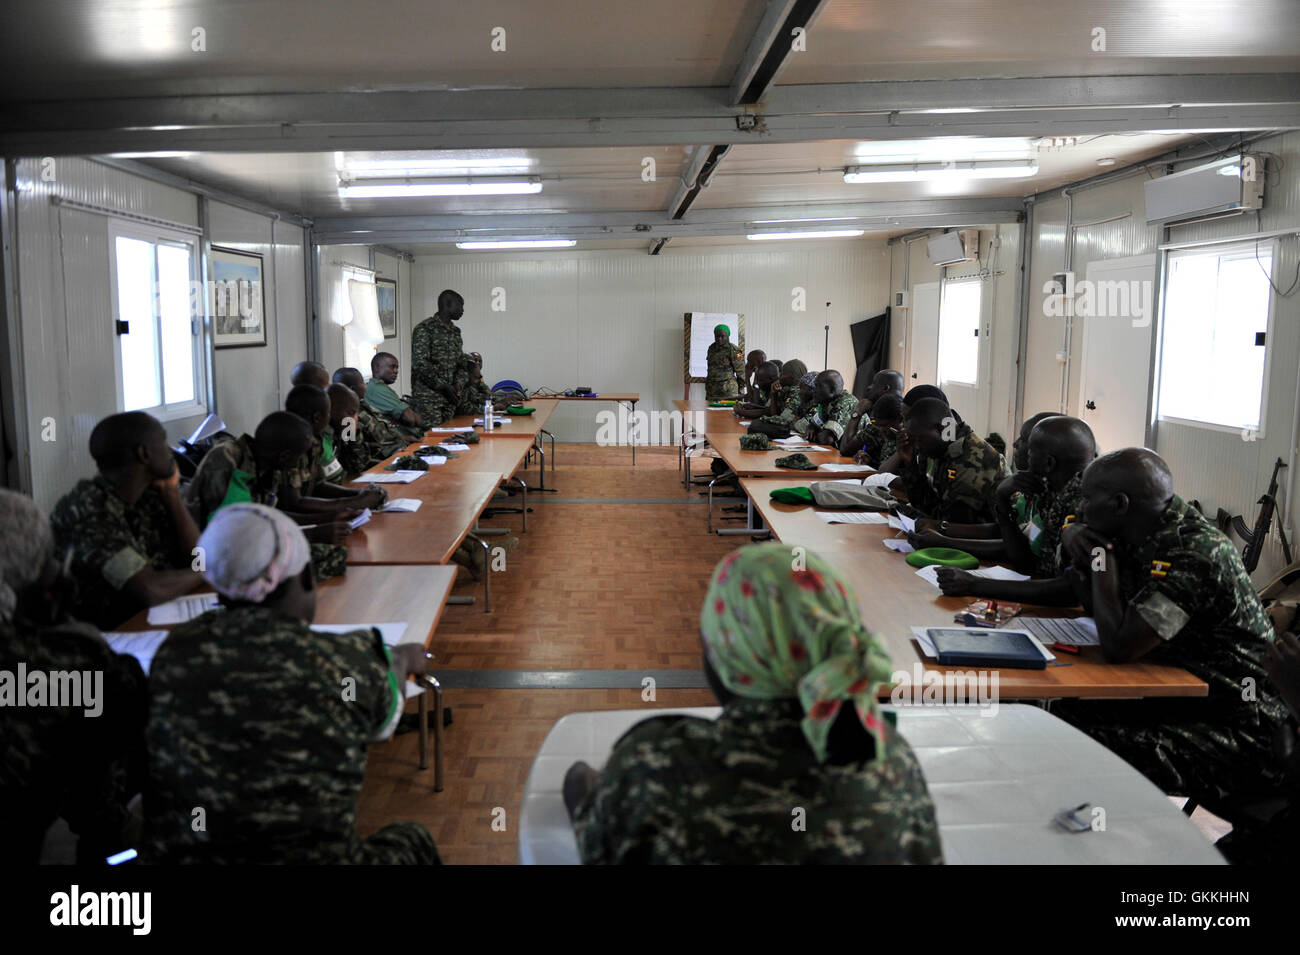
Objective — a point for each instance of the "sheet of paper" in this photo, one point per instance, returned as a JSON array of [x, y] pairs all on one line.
[[362, 518], [880, 479], [843, 467], [142, 645], [389, 477], [455, 447], [927, 645], [207, 428], [1074, 632], [498, 421], [433, 460], [931, 574], [851, 517], [408, 504], [182, 609], [391, 632], [899, 544], [792, 439], [453, 430], [901, 522]]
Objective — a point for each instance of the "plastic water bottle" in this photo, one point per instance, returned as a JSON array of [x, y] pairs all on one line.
[[488, 422]]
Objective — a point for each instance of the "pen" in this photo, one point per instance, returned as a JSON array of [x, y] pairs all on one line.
[[1065, 648]]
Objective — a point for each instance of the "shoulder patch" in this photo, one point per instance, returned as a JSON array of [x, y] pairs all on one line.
[[1159, 568]]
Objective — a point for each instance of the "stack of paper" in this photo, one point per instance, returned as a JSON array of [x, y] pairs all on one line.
[[455, 447], [433, 460], [843, 467], [389, 477], [182, 609], [402, 504], [880, 479], [899, 544], [851, 517], [453, 430], [901, 522]]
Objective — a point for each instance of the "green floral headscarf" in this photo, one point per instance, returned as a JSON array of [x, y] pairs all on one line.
[[777, 627]]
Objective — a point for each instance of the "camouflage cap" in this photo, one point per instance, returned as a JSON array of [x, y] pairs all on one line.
[[755, 442]]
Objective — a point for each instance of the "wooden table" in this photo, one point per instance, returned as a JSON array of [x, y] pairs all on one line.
[[520, 426], [743, 463], [618, 397], [703, 419], [893, 600]]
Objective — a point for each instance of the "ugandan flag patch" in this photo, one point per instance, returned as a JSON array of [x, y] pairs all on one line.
[[1069, 519], [1159, 568], [952, 475]]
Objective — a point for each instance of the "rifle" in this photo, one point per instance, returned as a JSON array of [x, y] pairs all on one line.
[[1255, 538]]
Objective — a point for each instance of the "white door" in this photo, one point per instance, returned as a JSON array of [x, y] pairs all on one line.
[[923, 343], [1113, 319]]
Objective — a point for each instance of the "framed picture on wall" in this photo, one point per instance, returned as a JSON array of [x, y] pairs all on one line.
[[235, 299], [386, 293]]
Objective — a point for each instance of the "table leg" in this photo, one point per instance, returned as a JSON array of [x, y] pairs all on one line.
[[424, 730], [487, 577], [437, 733], [525, 510], [634, 440]]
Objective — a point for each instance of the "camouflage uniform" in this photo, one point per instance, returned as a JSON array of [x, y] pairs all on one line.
[[229, 473], [438, 359], [1042, 516], [791, 405], [263, 723], [309, 470], [1187, 582], [832, 416], [57, 761], [472, 398], [111, 542], [877, 443], [726, 370], [375, 439], [959, 486], [683, 790]]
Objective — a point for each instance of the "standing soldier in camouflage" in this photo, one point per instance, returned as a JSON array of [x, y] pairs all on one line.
[[286, 793], [797, 673], [62, 761], [825, 422], [255, 470], [439, 368], [949, 472], [1164, 585], [129, 532], [726, 368]]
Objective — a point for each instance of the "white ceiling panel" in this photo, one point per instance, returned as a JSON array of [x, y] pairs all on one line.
[[859, 40]]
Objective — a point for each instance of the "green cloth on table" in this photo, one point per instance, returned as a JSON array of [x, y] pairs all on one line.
[[792, 495]]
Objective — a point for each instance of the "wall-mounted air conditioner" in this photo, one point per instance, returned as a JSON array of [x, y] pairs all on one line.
[[1223, 187], [953, 247]]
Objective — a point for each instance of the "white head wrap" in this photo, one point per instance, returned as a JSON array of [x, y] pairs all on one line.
[[26, 544], [250, 549]]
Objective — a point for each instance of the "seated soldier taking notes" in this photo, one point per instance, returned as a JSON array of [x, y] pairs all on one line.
[[875, 438], [885, 382], [1166, 586], [826, 421], [1033, 507], [949, 472], [264, 722], [758, 399], [308, 490], [131, 537]]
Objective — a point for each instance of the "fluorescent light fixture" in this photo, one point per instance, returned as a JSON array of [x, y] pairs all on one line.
[[821, 234], [483, 165], [158, 154], [518, 244], [942, 171], [943, 148], [406, 188], [1231, 170], [781, 221]]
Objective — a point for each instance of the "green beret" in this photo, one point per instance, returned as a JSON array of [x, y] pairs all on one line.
[[944, 557], [722, 328]]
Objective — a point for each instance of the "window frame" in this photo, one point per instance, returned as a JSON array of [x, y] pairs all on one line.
[[979, 331], [1253, 246], [200, 344]]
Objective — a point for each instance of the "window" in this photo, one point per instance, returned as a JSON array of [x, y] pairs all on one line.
[[1213, 356], [360, 312], [160, 347], [959, 325]]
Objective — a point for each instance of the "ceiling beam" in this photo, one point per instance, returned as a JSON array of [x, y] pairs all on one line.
[[910, 214], [770, 48], [309, 122]]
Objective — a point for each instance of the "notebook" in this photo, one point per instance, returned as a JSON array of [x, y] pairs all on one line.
[[971, 647]]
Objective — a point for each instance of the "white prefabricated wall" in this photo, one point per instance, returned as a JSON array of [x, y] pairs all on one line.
[[613, 320], [66, 314]]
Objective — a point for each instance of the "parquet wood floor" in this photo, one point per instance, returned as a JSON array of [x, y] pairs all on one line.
[[590, 586]]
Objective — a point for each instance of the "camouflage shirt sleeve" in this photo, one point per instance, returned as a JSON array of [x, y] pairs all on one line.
[[94, 524], [207, 489]]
